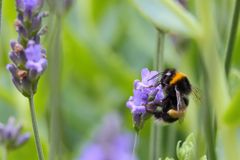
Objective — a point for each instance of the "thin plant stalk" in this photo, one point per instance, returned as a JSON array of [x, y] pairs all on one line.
[[135, 145], [232, 36], [35, 129], [171, 138], [0, 15], [4, 152], [209, 120], [155, 128], [55, 80]]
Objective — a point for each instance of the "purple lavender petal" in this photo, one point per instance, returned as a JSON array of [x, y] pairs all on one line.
[[22, 139], [20, 5], [33, 52], [36, 63], [147, 77], [140, 97], [17, 58], [159, 96], [136, 109], [9, 129], [31, 65], [145, 72], [16, 131], [29, 6]]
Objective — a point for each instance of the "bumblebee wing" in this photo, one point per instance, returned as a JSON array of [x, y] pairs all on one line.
[[180, 101]]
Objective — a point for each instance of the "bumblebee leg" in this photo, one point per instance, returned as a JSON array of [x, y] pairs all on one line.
[[168, 118]]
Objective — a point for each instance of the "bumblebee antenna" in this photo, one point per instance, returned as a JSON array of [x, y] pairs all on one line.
[[155, 76]]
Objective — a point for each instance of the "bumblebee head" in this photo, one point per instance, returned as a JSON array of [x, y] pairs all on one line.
[[167, 76]]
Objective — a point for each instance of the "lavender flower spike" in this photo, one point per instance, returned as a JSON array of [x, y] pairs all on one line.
[[10, 134], [28, 56], [147, 95]]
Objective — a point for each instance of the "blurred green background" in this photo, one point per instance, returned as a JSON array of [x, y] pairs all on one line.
[[96, 49]]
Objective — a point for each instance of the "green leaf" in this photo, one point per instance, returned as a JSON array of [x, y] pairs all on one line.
[[187, 150], [203, 157], [232, 114], [0, 14], [169, 16]]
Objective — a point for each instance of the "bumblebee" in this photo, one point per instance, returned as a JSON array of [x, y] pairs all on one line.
[[176, 88]]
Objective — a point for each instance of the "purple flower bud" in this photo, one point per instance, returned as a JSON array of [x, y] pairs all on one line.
[[37, 20], [28, 7], [12, 44], [12, 69], [20, 80], [17, 54], [20, 28], [159, 96], [22, 139]]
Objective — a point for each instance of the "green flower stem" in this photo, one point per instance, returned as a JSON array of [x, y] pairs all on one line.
[[35, 129], [155, 129], [154, 142], [215, 78], [232, 36], [160, 48], [4, 152], [135, 145], [55, 90], [0, 15], [208, 121], [171, 139]]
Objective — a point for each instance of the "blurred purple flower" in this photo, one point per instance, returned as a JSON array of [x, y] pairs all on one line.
[[10, 134], [110, 143], [147, 94]]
